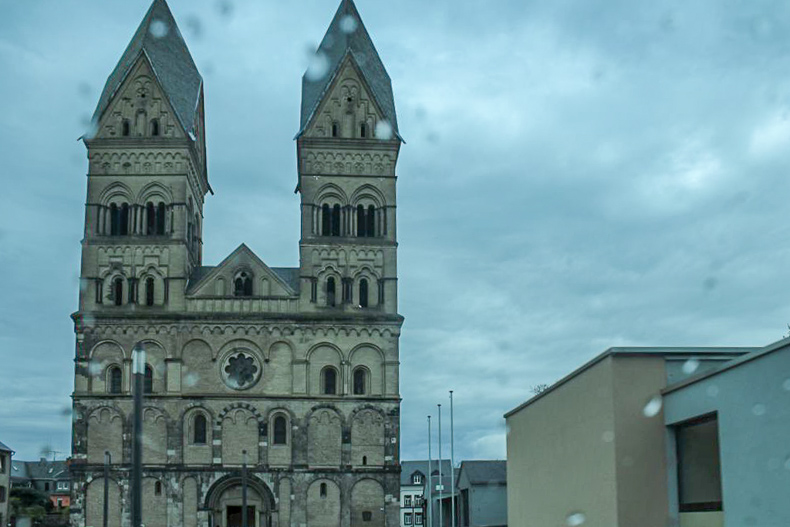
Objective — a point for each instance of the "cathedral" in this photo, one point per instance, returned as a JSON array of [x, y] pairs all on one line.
[[292, 371]]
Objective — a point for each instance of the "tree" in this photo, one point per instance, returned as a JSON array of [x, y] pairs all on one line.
[[539, 388], [29, 503]]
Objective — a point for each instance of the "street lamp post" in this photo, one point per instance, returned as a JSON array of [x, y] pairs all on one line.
[[441, 481], [138, 386], [452, 461], [429, 483]]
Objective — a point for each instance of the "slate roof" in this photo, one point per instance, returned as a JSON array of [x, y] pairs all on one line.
[[336, 44], [170, 60], [289, 275], [4, 448], [19, 470], [484, 472], [410, 467], [39, 470]]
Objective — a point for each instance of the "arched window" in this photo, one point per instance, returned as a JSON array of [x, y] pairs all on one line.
[[158, 488], [336, 220], [125, 128], [363, 293], [280, 431], [323, 490], [361, 223], [199, 430], [360, 381], [114, 380], [334, 129], [117, 291], [148, 385], [242, 285], [160, 218], [363, 130], [329, 380], [326, 221], [151, 221], [140, 123], [371, 228], [123, 227], [154, 127], [364, 460], [115, 220], [149, 291], [330, 292]]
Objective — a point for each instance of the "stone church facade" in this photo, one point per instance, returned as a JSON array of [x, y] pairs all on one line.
[[296, 366]]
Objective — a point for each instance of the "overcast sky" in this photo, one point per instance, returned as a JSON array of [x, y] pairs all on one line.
[[577, 175]]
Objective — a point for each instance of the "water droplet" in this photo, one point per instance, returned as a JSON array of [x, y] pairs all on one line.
[[348, 24], [607, 436], [318, 67], [45, 451], [759, 409], [94, 368], [66, 411], [191, 379], [786, 385], [159, 28], [225, 8], [575, 519], [690, 366], [712, 391], [653, 407], [84, 89], [384, 130], [194, 26], [90, 127]]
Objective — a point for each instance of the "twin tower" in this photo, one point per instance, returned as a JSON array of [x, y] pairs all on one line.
[[293, 369]]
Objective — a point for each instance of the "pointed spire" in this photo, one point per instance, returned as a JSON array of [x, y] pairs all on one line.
[[347, 36], [159, 39]]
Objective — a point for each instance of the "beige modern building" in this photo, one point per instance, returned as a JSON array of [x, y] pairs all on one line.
[[5, 482], [591, 449], [296, 366]]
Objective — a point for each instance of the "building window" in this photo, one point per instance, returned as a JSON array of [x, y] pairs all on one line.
[[158, 488], [2, 463], [199, 430], [334, 129], [361, 224], [363, 130], [115, 220], [124, 220], [330, 292], [323, 490], [699, 468], [363, 293], [407, 501], [329, 380], [360, 381], [125, 128], [280, 430], [367, 516], [99, 290], [242, 285], [148, 385], [417, 518], [364, 460], [407, 518], [117, 291], [416, 479], [326, 220], [114, 380], [336, 220], [150, 222], [370, 231], [160, 218], [381, 292], [46, 486], [63, 485], [155, 127], [149, 291]]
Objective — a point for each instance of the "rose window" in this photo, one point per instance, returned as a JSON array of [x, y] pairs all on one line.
[[240, 370]]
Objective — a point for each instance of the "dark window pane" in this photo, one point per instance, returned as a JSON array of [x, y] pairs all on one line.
[[280, 430], [699, 470], [199, 437], [330, 381]]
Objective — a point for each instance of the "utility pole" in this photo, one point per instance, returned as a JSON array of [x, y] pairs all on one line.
[[107, 461], [430, 478], [243, 488], [452, 460], [441, 481], [138, 386]]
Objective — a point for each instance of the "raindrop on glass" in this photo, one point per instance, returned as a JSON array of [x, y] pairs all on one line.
[[712, 391], [384, 130], [191, 379], [94, 368], [225, 7], [159, 28], [759, 409], [690, 366], [653, 407], [786, 385], [575, 519], [84, 89], [318, 67], [348, 24], [607, 436], [194, 26]]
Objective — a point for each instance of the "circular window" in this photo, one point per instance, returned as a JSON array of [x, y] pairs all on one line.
[[240, 370]]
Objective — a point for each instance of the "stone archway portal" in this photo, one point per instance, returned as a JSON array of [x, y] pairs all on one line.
[[224, 503]]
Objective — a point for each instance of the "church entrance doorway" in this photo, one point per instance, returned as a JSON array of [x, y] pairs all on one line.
[[234, 516], [224, 501]]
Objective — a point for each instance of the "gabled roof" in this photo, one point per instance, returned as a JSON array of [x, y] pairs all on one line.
[[347, 36], [484, 472], [159, 39], [4, 448], [284, 276], [410, 467]]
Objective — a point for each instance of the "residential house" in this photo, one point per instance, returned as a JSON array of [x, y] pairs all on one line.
[[5, 482], [50, 477], [414, 491]]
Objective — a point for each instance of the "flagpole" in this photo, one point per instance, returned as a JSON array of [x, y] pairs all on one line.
[[452, 460], [429, 482], [441, 481]]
